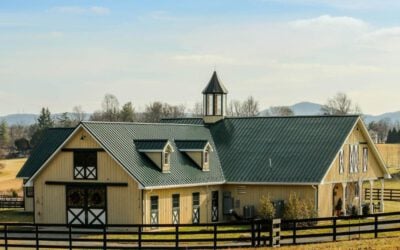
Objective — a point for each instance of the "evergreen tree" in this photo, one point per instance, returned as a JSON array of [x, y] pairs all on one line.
[[390, 136], [44, 122], [4, 134], [127, 113]]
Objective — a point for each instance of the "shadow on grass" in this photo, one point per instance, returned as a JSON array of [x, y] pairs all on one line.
[[15, 215]]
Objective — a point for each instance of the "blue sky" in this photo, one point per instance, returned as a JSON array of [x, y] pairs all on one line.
[[60, 54]]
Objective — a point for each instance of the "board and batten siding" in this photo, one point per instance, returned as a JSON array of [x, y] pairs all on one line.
[[374, 171], [185, 203], [247, 195], [123, 203], [28, 203]]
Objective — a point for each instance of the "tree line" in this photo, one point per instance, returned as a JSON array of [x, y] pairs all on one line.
[[19, 139]]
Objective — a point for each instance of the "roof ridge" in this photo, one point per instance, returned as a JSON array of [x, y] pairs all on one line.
[[142, 123], [291, 116]]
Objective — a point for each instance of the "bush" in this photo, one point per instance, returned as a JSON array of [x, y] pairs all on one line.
[[267, 210], [14, 193], [297, 208]]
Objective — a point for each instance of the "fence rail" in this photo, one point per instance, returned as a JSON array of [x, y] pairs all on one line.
[[7, 201], [388, 194], [253, 233]]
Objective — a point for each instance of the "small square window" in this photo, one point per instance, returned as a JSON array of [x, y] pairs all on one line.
[[29, 191]]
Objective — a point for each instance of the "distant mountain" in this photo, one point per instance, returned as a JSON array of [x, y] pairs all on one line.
[[310, 108], [29, 119]]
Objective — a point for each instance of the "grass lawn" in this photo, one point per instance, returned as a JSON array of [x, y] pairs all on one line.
[[8, 172], [15, 215]]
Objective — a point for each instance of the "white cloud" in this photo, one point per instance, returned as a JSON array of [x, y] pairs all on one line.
[[95, 10], [330, 21]]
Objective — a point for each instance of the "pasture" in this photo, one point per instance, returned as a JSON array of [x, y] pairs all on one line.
[[8, 172]]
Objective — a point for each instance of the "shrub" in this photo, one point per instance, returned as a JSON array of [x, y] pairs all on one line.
[[14, 193], [297, 208], [267, 209]]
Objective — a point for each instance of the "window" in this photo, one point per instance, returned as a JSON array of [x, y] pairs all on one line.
[[85, 165], [210, 105], [218, 105], [353, 158], [167, 156], [196, 208], [153, 210], [341, 161], [206, 156], [175, 209], [365, 159], [29, 191]]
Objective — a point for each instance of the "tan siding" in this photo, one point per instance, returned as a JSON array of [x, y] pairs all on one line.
[[253, 194], [325, 200], [28, 204], [124, 204], [165, 203], [156, 158], [196, 157], [390, 154], [374, 171]]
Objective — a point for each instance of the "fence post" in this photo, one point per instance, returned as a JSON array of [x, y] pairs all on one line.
[[140, 237], [215, 236], [5, 237], [37, 236], [104, 237], [253, 234], [376, 226], [391, 194], [259, 224], [294, 232], [334, 229], [70, 236], [176, 236]]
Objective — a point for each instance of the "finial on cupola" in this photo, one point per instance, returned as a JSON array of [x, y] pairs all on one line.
[[214, 100]]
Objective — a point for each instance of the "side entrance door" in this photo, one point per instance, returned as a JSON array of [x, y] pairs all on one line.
[[86, 205]]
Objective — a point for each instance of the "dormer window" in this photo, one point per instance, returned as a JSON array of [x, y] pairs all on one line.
[[158, 151], [197, 150]]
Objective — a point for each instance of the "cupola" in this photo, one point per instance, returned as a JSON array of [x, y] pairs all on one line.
[[214, 100]]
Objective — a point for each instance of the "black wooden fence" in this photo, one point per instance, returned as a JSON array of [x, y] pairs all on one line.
[[388, 194], [254, 233], [7, 201]]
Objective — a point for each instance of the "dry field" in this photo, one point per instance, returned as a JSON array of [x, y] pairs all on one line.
[[8, 171]]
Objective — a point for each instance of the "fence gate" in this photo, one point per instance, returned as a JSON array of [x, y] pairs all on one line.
[[196, 208], [214, 206], [86, 205]]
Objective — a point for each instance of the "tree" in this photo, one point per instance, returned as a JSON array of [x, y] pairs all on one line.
[[110, 107], [280, 111], [65, 121], [267, 209], [156, 111], [197, 110], [250, 107], [340, 104], [4, 134], [22, 145], [44, 122], [127, 113], [78, 114], [381, 128]]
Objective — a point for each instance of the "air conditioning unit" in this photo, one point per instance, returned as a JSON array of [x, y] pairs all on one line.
[[248, 212]]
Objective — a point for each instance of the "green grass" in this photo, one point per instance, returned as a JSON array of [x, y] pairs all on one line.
[[15, 215]]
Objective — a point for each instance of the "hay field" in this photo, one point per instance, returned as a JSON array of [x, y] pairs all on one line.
[[8, 172]]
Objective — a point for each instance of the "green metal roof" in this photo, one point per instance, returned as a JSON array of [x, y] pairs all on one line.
[[191, 144], [150, 144], [195, 121], [299, 148], [118, 139], [215, 86], [51, 140]]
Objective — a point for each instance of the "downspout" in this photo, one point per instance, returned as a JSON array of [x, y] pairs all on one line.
[[315, 198]]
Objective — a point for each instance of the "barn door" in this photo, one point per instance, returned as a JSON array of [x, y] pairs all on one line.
[[196, 208], [86, 205], [175, 209], [214, 206], [154, 210]]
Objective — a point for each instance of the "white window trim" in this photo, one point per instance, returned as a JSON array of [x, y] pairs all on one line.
[[341, 161]]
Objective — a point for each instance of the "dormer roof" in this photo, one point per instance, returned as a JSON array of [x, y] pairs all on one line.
[[215, 86], [151, 145], [191, 145]]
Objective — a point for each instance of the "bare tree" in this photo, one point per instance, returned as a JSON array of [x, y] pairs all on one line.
[[78, 114], [340, 104], [197, 110], [156, 111], [381, 129], [280, 111], [110, 107], [250, 107]]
